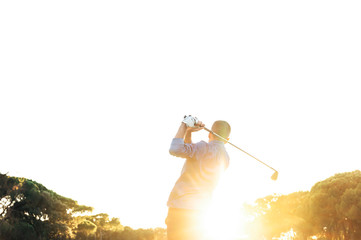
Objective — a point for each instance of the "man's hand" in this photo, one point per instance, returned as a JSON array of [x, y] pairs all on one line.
[[188, 136], [198, 126], [193, 124], [190, 121], [189, 124]]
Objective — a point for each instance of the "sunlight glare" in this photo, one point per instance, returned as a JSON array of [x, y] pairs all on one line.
[[225, 224], [224, 219]]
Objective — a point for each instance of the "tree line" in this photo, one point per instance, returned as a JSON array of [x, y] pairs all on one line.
[[30, 211], [330, 210]]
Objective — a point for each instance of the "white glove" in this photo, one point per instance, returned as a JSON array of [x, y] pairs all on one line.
[[190, 121]]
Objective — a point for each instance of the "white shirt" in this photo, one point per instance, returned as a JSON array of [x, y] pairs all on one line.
[[200, 174]]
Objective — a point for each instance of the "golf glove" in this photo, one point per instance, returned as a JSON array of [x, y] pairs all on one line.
[[190, 121]]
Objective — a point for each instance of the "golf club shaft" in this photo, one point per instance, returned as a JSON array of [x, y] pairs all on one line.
[[238, 148]]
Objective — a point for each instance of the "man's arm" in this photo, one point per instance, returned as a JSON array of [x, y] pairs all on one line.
[[181, 143], [186, 132], [181, 131], [188, 137]]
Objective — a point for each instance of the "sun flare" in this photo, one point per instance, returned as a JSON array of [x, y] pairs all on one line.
[[225, 224], [224, 219]]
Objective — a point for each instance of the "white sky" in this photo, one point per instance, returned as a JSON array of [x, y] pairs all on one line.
[[92, 93]]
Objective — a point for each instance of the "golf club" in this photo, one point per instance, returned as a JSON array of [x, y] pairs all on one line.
[[274, 175]]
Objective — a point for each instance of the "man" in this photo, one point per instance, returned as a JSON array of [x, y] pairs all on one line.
[[200, 174]]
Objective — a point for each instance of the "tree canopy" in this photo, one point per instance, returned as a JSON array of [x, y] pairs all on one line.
[[30, 211], [330, 210]]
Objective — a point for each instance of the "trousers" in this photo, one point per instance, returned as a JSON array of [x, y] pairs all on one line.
[[184, 224]]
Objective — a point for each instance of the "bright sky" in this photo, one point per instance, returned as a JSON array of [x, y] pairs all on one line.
[[92, 92]]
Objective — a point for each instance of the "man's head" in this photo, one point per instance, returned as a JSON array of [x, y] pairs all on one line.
[[222, 128]]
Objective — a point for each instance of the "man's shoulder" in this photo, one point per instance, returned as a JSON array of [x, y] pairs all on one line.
[[202, 143]]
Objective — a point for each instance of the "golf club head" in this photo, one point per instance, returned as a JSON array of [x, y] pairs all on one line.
[[274, 176]]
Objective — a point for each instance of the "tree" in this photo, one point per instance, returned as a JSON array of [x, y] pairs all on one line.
[[276, 214], [160, 234], [28, 210], [86, 229], [106, 228], [331, 210], [335, 205], [139, 234]]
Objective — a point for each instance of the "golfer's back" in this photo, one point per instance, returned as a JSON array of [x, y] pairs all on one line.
[[204, 164]]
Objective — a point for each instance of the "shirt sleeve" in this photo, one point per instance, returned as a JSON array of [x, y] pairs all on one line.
[[180, 149]]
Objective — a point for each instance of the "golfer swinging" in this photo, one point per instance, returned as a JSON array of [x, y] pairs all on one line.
[[200, 174]]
